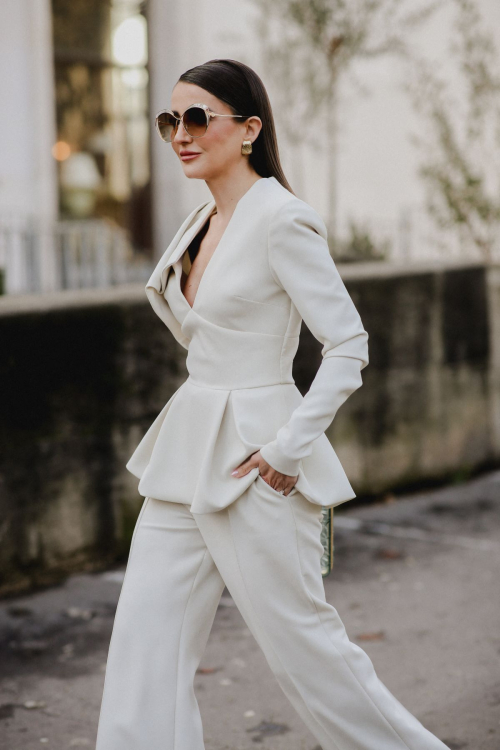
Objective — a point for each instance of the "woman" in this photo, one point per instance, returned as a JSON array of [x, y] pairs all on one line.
[[236, 467]]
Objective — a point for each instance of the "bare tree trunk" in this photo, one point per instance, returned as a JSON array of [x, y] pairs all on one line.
[[297, 167], [332, 145]]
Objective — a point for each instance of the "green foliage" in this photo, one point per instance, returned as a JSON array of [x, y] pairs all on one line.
[[308, 46], [460, 149], [308, 43]]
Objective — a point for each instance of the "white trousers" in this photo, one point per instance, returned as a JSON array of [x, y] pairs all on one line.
[[266, 549]]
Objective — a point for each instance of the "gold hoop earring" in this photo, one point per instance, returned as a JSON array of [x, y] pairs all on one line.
[[246, 147]]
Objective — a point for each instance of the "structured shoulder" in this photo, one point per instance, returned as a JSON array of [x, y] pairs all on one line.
[[292, 211]]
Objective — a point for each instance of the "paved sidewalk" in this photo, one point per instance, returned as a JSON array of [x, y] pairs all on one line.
[[416, 583]]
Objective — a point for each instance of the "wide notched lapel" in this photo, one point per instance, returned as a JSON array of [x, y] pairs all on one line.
[[191, 226], [188, 230], [180, 242], [157, 283]]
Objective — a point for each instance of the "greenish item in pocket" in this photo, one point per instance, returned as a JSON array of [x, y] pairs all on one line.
[[327, 541]]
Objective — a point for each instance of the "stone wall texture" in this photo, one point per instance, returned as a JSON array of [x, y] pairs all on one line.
[[83, 374]]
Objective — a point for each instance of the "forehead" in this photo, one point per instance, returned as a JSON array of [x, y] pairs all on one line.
[[186, 94], [183, 109]]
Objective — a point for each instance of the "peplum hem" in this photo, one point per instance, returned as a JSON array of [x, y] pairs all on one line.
[[203, 433]]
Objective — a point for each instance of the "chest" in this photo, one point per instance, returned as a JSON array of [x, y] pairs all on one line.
[[227, 281], [197, 257]]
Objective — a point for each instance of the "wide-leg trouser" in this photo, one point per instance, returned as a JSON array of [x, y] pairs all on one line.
[[266, 549]]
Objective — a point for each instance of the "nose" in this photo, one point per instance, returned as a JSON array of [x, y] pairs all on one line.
[[181, 134]]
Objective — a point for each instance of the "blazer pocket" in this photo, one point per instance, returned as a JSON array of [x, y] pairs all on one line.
[[258, 317]]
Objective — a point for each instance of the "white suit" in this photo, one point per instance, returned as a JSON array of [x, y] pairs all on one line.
[[271, 268], [200, 528]]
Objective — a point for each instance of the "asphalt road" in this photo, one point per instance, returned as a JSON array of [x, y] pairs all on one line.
[[416, 583]]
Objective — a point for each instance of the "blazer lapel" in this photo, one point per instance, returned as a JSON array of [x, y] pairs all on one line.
[[180, 242]]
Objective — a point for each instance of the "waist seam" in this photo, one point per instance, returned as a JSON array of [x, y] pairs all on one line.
[[244, 388]]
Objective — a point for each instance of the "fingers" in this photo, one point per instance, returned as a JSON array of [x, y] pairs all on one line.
[[284, 486], [251, 463], [277, 481]]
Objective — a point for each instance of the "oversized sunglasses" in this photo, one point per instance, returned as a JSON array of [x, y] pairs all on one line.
[[195, 120]]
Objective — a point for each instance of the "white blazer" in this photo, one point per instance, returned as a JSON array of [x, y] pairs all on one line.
[[271, 269]]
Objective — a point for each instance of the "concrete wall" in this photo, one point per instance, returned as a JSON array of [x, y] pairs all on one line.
[[84, 374], [426, 410]]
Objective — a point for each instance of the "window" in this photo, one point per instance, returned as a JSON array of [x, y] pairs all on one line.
[[102, 89]]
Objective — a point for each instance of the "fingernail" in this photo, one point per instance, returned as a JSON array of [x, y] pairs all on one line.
[[233, 473]]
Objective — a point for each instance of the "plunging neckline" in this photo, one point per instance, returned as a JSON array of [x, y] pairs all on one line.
[[194, 239], [207, 218]]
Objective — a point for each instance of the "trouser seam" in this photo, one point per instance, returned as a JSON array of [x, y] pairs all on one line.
[[180, 643], [263, 629], [331, 640]]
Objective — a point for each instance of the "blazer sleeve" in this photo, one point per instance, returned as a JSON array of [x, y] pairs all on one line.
[[300, 261]]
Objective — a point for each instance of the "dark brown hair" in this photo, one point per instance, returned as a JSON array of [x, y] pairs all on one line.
[[242, 90]]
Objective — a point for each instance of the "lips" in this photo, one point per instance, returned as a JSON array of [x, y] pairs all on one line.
[[187, 155]]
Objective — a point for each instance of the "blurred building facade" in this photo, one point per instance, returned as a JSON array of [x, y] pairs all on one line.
[[75, 184], [90, 196]]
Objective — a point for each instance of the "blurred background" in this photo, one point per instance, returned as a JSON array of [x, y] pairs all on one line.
[[388, 121], [394, 134]]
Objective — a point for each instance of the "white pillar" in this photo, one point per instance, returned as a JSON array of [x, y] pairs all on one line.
[[167, 203], [28, 177], [176, 43]]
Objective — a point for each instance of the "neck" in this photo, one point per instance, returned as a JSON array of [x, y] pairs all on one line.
[[227, 191]]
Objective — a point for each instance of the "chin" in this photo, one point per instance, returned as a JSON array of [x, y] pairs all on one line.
[[197, 174], [191, 168], [194, 176]]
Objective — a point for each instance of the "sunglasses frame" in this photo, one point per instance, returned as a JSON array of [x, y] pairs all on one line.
[[208, 114]]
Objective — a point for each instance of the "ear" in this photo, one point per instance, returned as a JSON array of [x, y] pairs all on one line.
[[253, 126]]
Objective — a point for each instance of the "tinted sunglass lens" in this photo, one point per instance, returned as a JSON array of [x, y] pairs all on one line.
[[166, 125], [195, 121]]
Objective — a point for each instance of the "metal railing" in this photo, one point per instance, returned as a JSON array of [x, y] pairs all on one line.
[[38, 256], [413, 237], [41, 256]]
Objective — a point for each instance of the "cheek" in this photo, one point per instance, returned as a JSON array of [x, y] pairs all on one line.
[[223, 144]]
